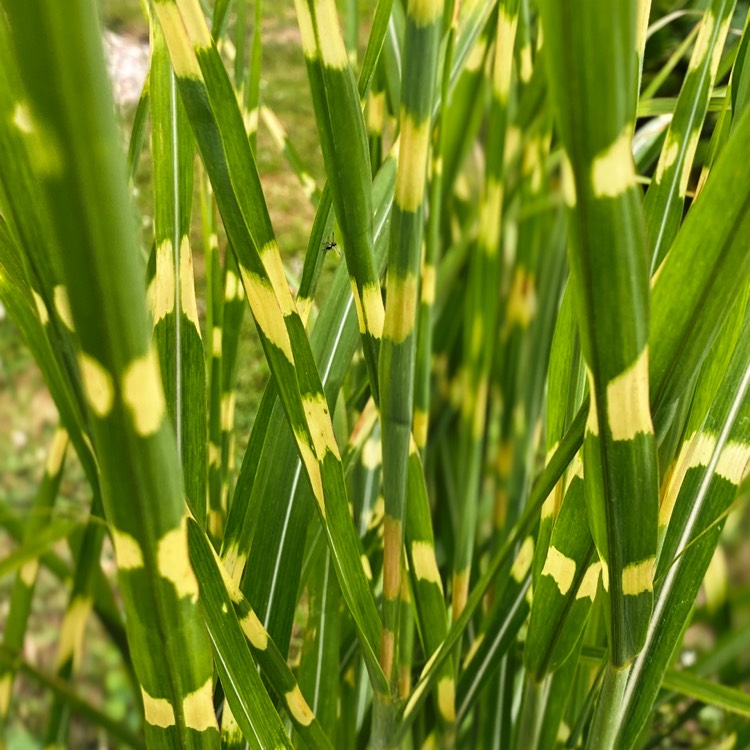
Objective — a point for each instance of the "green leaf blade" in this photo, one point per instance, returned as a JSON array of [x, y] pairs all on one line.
[[610, 287]]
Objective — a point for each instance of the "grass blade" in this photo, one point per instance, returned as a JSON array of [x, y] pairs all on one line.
[[396, 367], [176, 326], [22, 592], [665, 197], [135, 444], [482, 311], [220, 134], [564, 592], [319, 670], [346, 156], [274, 554], [585, 53], [712, 461], [233, 625]]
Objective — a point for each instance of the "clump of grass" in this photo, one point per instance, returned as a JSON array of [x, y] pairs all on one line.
[[497, 451]]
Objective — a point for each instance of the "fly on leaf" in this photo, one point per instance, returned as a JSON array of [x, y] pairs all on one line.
[[330, 244]]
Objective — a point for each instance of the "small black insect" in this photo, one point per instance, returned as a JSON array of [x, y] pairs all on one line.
[[330, 244]]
